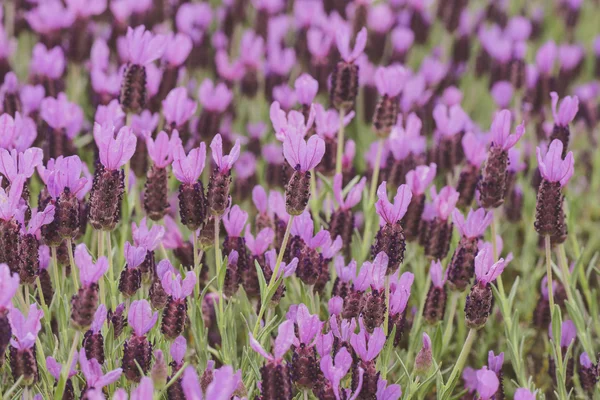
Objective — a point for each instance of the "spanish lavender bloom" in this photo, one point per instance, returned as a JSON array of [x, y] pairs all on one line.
[[492, 186], [479, 301], [47, 68], [450, 123], [137, 350], [112, 113], [344, 78], [400, 288], [141, 49], [222, 387], [306, 89], [187, 170], [474, 148], [285, 96], [48, 18], [28, 245], [174, 315], [25, 330], [495, 365], [9, 284], [563, 116], [303, 156], [367, 348], [440, 229], [63, 121], [109, 179], [555, 172], [220, 179], [285, 271], [93, 341], [334, 370], [524, 394], [568, 333], [85, 303], [424, 358], [487, 384], [276, 380], [435, 303], [92, 371], [304, 368], [587, 373], [471, 229], [391, 392], [390, 237], [178, 109], [280, 62], [55, 368], [177, 50], [161, 152], [149, 239], [131, 276], [9, 225], [8, 46], [215, 99], [390, 82], [417, 180], [342, 219]]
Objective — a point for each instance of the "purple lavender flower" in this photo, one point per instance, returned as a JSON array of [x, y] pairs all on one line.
[[137, 350], [92, 371], [563, 116], [174, 315], [487, 384], [85, 303], [25, 330], [178, 109]]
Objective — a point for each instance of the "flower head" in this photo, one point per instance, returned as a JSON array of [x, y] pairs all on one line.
[[390, 80], [286, 270], [309, 325], [134, 256], [336, 369], [449, 121], [214, 98], [175, 287], [419, 179], [25, 329], [567, 110], [401, 293], [177, 107], [495, 362], [178, 349], [66, 173], [552, 167], [306, 89], [225, 382], [342, 40], [234, 221], [39, 219], [486, 270], [89, 272], [13, 163], [114, 151], [392, 213], [444, 201], [474, 225], [301, 154], [9, 284], [187, 169], [436, 272], [143, 47], [487, 384], [99, 319], [283, 342], [147, 238], [161, 149], [59, 113], [140, 317], [261, 243], [328, 121], [111, 113], [391, 392], [353, 196], [177, 49], [366, 346], [501, 131], [47, 62], [92, 371]]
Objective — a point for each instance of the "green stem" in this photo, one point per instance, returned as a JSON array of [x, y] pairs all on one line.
[[549, 270], [218, 260], [111, 272], [340, 145], [387, 305], [55, 272], [274, 280], [373, 189], [66, 368], [450, 320], [495, 253], [566, 274], [460, 363], [73, 267]]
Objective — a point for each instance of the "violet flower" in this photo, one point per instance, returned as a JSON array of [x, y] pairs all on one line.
[[385, 392], [140, 317], [89, 272], [143, 47], [552, 167], [47, 63], [500, 131], [114, 152], [392, 213], [487, 384], [177, 49], [474, 225], [567, 111], [419, 179], [524, 394], [188, 168], [214, 98], [92, 371], [306, 88], [60, 114], [13, 163], [222, 387], [178, 108], [353, 196], [25, 329], [177, 350]]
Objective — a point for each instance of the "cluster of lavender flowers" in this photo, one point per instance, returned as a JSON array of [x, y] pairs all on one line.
[[275, 199]]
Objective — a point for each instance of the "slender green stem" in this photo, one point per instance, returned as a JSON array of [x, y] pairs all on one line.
[[55, 272], [274, 280], [495, 252], [366, 243], [73, 267], [450, 320], [26, 288], [549, 271], [566, 274], [111, 271], [340, 145], [460, 363], [376, 169], [387, 305], [218, 260], [64, 373]]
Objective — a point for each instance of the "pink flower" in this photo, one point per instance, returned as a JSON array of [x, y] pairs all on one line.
[[143, 47], [280, 61], [9, 284], [391, 392], [214, 98], [8, 45], [345, 272], [55, 368], [567, 110], [47, 62], [487, 384], [366, 346], [475, 224], [92, 371], [495, 362], [176, 287], [545, 57], [178, 49], [319, 43], [59, 113], [438, 278], [224, 384], [38, 219], [261, 243], [178, 350], [303, 155], [86, 8], [187, 169], [390, 80], [328, 121], [14, 163], [224, 163], [99, 319], [111, 113], [140, 317], [405, 140], [89, 272], [306, 89], [25, 329], [144, 122], [292, 124], [501, 131], [377, 270], [285, 270], [285, 95], [145, 389], [134, 256], [568, 333], [161, 149], [524, 394], [401, 293], [259, 198], [342, 40], [419, 179], [402, 39], [283, 342], [552, 167], [114, 151], [194, 19], [309, 325], [353, 196], [148, 238], [502, 92], [31, 98], [335, 370], [486, 270], [474, 148], [449, 121], [49, 16], [9, 202], [177, 107], [234, 221], [66, 173], [392, 213]]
